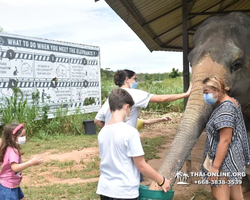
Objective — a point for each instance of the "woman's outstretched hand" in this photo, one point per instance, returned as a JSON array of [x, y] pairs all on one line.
[[189, 90]]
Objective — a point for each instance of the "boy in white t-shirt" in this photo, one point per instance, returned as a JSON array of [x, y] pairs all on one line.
[[122, 155]]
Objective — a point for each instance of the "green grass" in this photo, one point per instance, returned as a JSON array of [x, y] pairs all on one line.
[[62, 191], [152, 146], [202, 194], [59, 144], [76, 174], [90, 170], [61, 165], [168, 86]]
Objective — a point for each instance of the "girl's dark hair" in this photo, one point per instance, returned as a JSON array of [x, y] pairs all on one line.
[[129, 73], [119, 77], [7, 140]]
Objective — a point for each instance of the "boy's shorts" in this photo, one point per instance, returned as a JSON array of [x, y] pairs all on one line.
[[11, 193], [109, 198]]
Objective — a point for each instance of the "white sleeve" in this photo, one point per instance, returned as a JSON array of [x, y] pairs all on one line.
[[141, 98], [102, 114], [134, 145]]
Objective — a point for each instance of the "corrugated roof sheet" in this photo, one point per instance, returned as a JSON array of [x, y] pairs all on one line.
[[158, 23]]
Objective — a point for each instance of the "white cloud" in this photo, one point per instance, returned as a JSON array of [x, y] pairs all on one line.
[[87, 22]]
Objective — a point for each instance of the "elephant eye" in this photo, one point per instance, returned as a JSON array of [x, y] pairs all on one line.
[[236, 65]]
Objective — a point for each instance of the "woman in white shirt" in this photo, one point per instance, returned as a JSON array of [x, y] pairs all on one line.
[[127, 80]]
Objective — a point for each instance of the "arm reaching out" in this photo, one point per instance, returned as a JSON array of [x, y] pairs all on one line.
[[19, 167], [149, 172], [157, 120], [170, 97], [99, 123]]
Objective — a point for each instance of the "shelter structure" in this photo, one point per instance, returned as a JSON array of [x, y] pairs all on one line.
[[169, 25]]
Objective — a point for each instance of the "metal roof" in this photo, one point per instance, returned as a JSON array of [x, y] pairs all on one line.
[[158, 23]]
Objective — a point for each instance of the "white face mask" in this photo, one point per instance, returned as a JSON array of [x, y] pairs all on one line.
[[126, 118], [21, 140]]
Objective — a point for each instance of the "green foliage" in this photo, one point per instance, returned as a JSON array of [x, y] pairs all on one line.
[[16, 110], [175, 73], [142, 77], [1, 29], [107, 74], [167, 86], [89, 101], [15, 107], [107, 83]]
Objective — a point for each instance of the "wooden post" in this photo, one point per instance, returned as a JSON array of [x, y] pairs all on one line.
[[185, 47]]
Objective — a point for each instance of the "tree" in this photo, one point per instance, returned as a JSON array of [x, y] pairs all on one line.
[[147, 77], [175, 73], [1, 29], [178, 175], [185, 177]]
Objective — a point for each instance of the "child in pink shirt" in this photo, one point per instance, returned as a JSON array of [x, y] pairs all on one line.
[[11, 162]]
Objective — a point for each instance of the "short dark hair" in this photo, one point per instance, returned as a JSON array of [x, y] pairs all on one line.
[[118, 97], [129, 73], [120, 77]]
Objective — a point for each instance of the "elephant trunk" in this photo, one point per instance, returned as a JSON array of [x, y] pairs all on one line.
[[193, 123]]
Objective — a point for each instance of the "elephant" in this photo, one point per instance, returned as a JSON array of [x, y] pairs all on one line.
[[220, 49]]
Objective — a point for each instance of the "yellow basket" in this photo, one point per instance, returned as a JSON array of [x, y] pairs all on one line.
[[146, 194]]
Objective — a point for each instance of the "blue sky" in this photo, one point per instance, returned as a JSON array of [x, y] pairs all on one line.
[[86, 22]]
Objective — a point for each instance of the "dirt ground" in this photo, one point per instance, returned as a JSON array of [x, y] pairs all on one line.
[[88, 154]]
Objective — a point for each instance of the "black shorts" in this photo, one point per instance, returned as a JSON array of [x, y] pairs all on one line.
[[109, 198]]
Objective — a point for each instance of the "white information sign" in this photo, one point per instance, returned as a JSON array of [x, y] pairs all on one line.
[[65, 74]]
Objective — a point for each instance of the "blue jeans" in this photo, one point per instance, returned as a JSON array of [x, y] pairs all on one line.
[[10, 193]]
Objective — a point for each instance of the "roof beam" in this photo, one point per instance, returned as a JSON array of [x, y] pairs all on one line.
[[217, 12], [192, 27], [162, 15], [191, 6], [163, 33], [167, 47], [152, 20]]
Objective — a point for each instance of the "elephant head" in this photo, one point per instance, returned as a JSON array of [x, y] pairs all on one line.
[[222, 49]]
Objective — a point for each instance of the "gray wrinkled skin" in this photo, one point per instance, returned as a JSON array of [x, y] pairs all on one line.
[[221, 48]]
